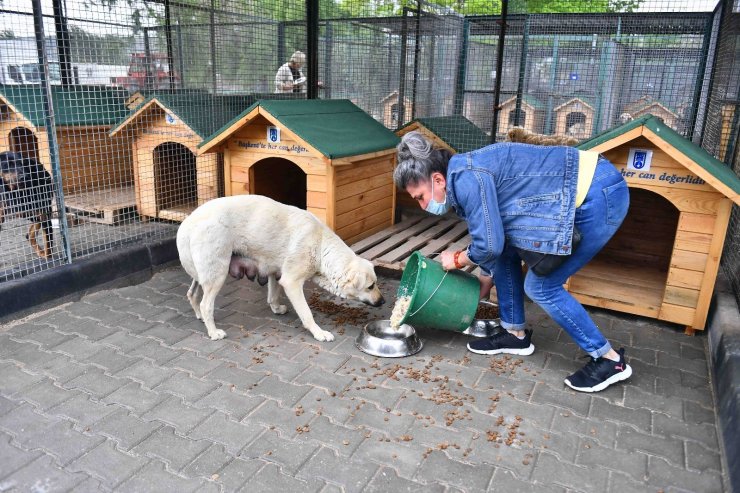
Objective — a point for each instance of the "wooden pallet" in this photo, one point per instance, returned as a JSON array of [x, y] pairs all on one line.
[[109, 206], [390, 248]]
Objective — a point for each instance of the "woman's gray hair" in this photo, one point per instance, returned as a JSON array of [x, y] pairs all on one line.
[[417, 160], [298, 57]]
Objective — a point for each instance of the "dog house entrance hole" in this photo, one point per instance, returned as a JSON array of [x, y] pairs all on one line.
[[175, 180], [23, 141], [633, 267], [575, 119], [279, 179]]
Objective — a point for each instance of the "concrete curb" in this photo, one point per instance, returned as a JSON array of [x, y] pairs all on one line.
[[124, 266], [724, 351]]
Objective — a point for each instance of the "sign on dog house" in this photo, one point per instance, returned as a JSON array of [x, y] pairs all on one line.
[[326, 156], [165, 129], [89, 158], [662, 262], [531, 115], [574, 118]]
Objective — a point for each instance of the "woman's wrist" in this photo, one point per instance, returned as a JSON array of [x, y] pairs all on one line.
[[456, 259]]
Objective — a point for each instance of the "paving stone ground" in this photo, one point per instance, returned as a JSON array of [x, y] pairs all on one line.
[[124, 391]]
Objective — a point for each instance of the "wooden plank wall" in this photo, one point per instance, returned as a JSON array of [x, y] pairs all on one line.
[[92, 160], [364, 198]]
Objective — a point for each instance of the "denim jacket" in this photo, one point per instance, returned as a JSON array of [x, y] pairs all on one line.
[[517, 193]]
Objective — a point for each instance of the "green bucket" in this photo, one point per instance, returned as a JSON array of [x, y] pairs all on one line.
[[440, 299]]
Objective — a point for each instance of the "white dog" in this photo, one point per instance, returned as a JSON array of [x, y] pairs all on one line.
[[281, 245]]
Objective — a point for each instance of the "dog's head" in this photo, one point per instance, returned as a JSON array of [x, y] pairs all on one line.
[[361, 283]]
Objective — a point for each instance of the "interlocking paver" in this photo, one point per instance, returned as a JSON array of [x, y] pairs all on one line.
[[177, 451], [125, 390], [12, 457], [290, 455], [127, 430], [108, 464], [146, 373], [438, 467], [271, 478], [82, 409], [175, 412], [183, 385], [43, 474], [14, 379], [45, 394], [234, 435], [155, 477], [327, 466]]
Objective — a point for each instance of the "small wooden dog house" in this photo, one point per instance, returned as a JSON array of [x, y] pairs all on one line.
[[575, 118], [663, 261], [391, 110], [454, 133], [89, 158], [326, 156], [166, 128], [649, 106], [531, 118]]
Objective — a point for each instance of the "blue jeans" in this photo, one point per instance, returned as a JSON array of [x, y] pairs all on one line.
[[598, 218]]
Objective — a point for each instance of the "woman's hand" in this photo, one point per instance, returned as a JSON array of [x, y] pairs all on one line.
[[486, 284], [451, 259]]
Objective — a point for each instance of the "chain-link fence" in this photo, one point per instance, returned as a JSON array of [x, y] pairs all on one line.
[[112, 98], [721, 121]]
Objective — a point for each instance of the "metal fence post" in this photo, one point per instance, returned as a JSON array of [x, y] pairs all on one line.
[[499, 69], [38, 24]]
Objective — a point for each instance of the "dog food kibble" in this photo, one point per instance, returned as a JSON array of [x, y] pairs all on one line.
[[399, 311]]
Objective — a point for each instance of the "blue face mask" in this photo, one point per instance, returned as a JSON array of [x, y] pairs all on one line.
[[434, 207]]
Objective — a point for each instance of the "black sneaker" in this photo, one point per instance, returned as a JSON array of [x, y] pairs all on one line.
[[503, 342], [599, 374]]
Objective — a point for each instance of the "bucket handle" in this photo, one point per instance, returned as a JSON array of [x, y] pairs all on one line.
[[430, 296]]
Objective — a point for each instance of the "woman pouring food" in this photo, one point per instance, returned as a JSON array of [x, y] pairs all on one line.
[[553, 207]]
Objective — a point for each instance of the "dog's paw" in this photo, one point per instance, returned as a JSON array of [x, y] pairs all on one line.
[[217, 334], [323, 335], [279, 309]]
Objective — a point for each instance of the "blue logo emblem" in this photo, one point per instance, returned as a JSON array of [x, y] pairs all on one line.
[[638, 161], [273, 135]]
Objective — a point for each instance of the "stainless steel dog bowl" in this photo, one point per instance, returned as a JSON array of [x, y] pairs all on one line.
[[483, 328], [380, 339]]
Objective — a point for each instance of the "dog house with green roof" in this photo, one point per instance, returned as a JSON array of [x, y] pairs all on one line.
[[663, 261], [89, 159], [165, 130], [326, 156]]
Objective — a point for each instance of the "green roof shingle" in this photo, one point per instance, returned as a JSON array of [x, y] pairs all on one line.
[[334, 127], [73, 105], [714, 166], [456, 131]]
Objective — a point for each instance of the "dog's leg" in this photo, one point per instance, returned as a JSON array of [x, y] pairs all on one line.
[[273, 296], [210, 290], [32, 231], [194, 296], [48, 234], [294, 291]]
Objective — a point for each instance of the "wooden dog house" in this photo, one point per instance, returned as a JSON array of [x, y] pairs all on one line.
[[646, 105], [575, 118], [391, 111], [89, 158], [663, 261], [454, 133], [165, 129], [327, 156], [532, 113]]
